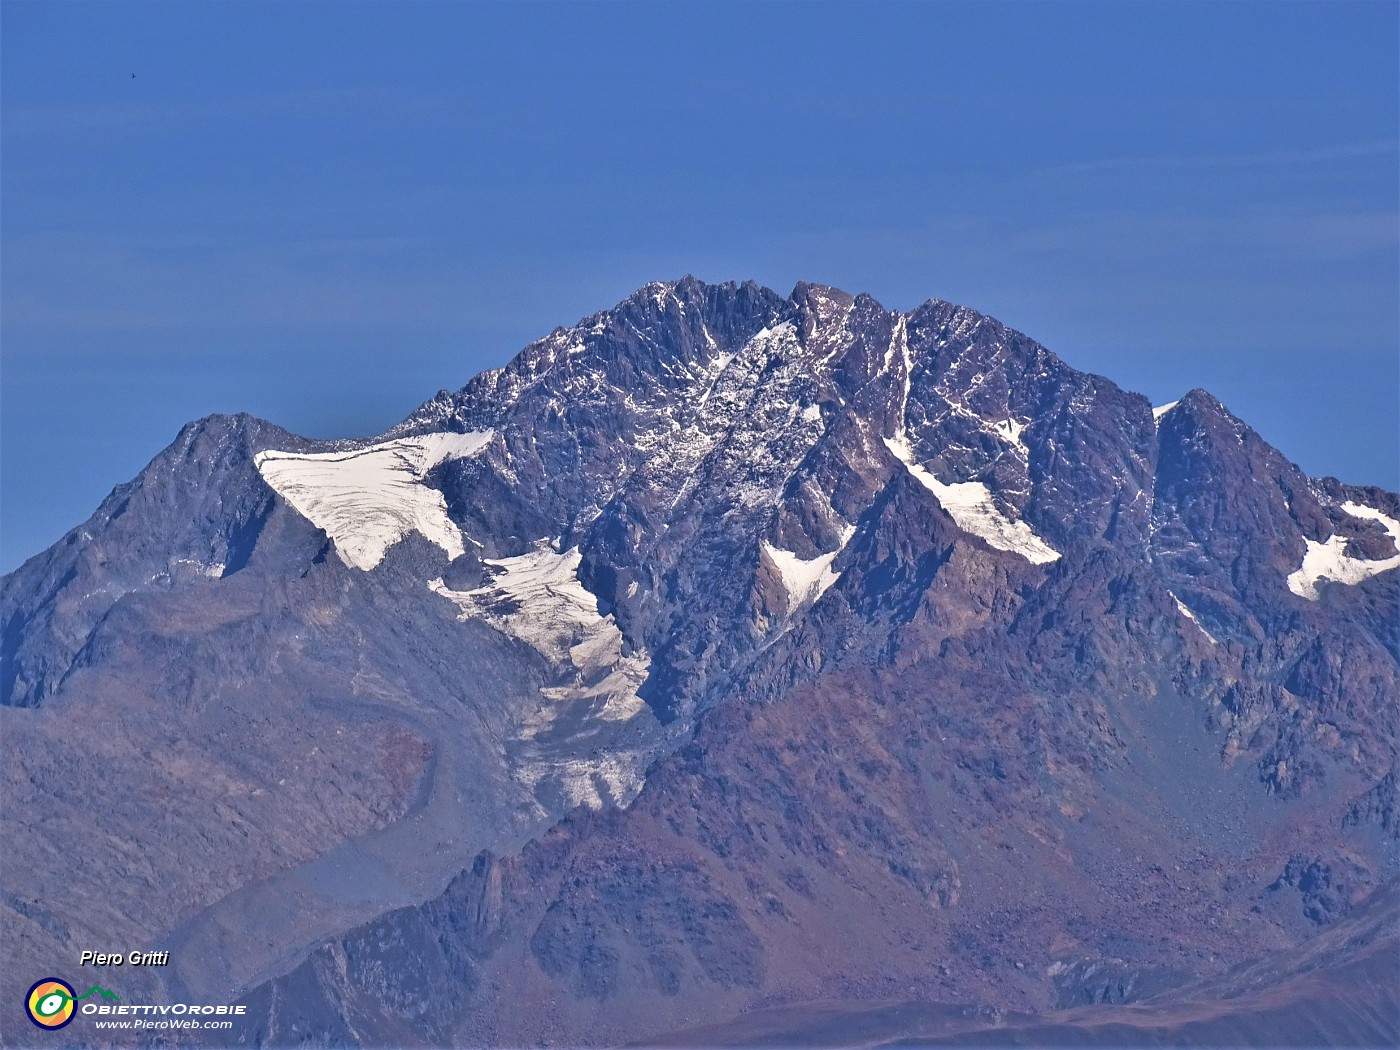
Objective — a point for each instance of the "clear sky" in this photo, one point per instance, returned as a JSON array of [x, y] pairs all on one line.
[[323, 213]]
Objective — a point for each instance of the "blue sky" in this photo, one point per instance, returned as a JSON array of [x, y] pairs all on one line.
[[323, 213]]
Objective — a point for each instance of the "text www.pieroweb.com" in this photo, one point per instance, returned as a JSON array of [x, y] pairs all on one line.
[[166, 1024]]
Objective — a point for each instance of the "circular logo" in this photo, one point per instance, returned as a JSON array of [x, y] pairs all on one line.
[[50, 1003]]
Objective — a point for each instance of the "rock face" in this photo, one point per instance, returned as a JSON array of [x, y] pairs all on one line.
[[720, 651]]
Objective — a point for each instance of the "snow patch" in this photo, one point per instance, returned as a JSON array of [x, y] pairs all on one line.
[[1329, 560], [538, 599], [1162, 410], [717, 369], [368, 499], [1181, 608], [805, 579], [213, 570], [971, 505], [595, 782], [1011, 430]]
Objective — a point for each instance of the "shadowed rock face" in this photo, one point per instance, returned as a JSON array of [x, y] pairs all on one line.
[[719, 652]]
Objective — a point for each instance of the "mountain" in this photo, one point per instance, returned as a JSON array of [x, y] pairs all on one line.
[[720, 652], [1335, 989]]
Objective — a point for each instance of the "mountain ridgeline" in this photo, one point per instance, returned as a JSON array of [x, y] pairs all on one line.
[[721, 652]]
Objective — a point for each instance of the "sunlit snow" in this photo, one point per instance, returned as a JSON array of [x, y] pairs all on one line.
[[368, 499], [1329, 560], [805, 579], [971, 505], [1011, 430], [537, 598], [1181, 608]]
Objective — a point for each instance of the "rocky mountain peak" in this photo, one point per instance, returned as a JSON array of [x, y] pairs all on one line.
[[780, 606]]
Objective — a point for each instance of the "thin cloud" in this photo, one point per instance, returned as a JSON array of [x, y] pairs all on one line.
[[165, 116], [1291, 158]]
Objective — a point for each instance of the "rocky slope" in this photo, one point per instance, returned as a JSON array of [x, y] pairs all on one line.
[[848, 654], [1335, 989]]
